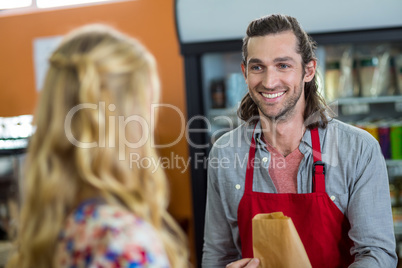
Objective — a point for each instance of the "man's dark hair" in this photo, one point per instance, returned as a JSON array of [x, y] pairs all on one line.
[[315, 104]]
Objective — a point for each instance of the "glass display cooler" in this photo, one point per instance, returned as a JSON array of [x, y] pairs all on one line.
[[359, 68], [14, 137]]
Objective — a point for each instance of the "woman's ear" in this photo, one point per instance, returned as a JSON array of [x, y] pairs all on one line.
[[309, 71]]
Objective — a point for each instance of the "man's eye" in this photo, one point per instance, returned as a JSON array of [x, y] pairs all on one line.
[[283, 66], [255, 68]]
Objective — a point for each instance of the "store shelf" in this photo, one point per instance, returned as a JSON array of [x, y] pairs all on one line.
[[13, 146], [394, 168], [392, 163], [380, 107], [222, 112], [398, 230], [367, 100]]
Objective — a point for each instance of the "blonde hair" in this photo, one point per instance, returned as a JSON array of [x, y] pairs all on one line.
[[101, 75]]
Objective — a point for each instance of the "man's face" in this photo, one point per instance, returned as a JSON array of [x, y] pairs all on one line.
[[275, 76]]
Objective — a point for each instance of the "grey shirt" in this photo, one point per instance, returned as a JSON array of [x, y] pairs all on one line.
[[356, 180]]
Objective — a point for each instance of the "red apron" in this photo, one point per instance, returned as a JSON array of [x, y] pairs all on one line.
[[322, 227]]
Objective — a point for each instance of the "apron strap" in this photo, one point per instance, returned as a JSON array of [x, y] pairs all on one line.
[[250, 165], [318, 166]]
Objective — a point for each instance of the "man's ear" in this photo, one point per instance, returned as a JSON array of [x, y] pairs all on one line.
[[244, 71], [309, 71]]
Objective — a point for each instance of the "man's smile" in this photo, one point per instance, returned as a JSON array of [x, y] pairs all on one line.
[[272, 95]]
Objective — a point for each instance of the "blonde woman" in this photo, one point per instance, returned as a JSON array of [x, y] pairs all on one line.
[[84, 205]]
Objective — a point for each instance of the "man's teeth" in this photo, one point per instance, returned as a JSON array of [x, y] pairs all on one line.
[[271, 96]]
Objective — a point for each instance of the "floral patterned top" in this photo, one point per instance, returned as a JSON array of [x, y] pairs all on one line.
[[98, 235]]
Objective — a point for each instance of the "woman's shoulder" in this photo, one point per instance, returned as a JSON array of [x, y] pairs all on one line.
[[108, 234], [106, 216]]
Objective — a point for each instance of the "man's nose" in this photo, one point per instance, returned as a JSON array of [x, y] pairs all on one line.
[[270, 79]]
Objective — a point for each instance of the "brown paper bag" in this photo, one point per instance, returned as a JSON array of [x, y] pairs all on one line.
[[276, 242]]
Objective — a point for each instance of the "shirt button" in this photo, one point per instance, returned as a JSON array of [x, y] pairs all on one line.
[[238, 186], [332, 198], [265, 159]]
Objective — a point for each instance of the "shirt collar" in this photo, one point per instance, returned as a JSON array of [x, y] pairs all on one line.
[[305, 144]]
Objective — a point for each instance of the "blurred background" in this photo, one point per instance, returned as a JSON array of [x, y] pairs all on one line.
[[197, 45]]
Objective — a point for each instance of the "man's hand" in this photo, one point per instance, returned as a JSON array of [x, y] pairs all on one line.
[[244, 263]]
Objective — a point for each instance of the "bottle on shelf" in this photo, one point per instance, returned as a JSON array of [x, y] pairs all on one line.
[[218, 94]]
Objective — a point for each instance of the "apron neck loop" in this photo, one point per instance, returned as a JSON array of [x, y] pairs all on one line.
[[318, 166], [250, 164]]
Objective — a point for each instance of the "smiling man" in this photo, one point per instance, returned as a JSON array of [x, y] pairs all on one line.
[[329, 177]]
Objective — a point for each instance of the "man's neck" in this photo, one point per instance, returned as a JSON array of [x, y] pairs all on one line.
[[285, 136]]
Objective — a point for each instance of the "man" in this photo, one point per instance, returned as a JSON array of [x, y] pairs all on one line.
[[290, 156]]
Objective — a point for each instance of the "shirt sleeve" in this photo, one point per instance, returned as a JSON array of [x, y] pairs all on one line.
[[219, 247], [369, 211]]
